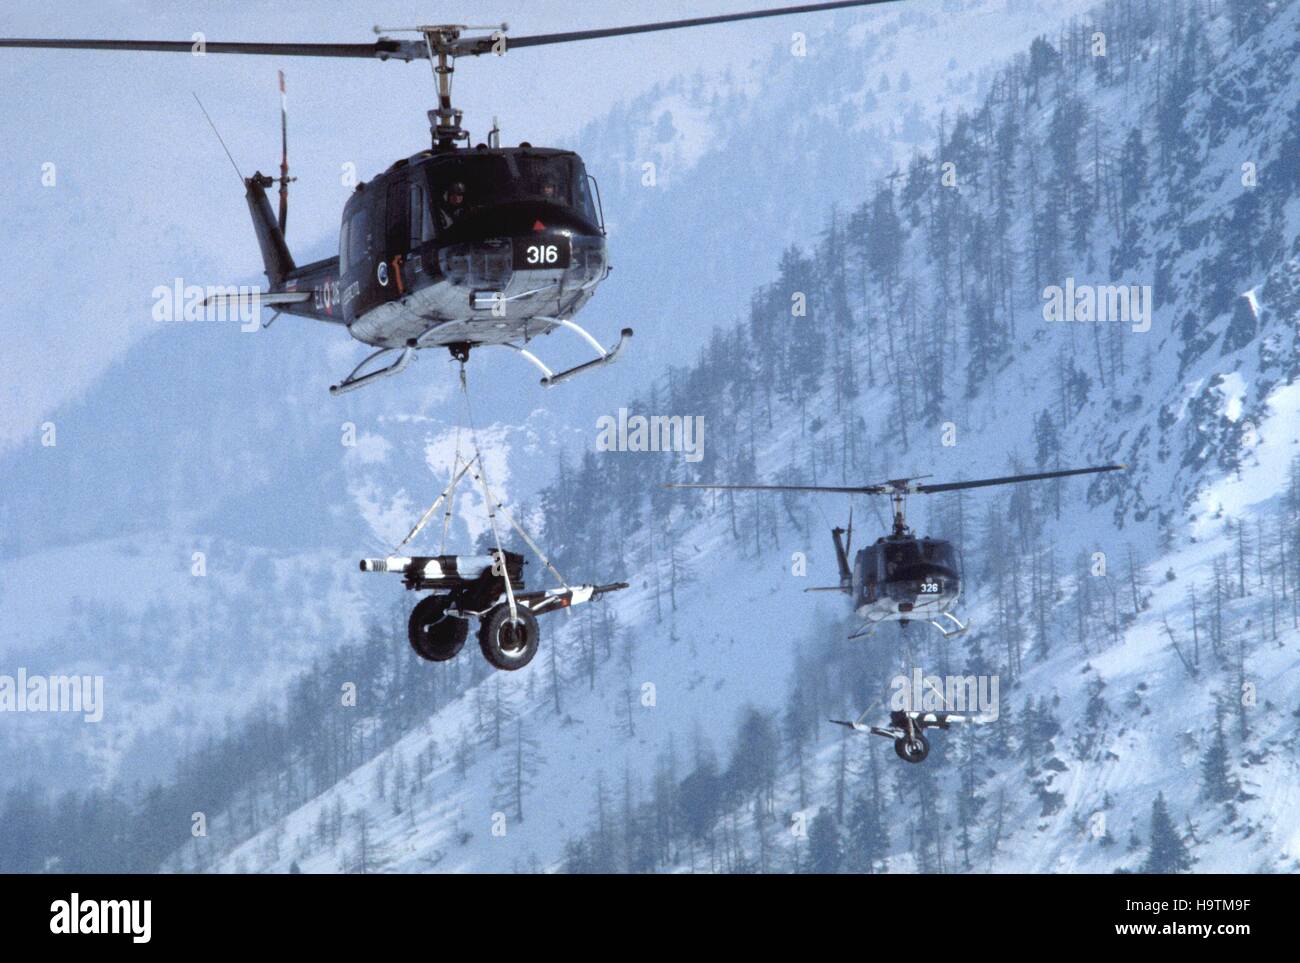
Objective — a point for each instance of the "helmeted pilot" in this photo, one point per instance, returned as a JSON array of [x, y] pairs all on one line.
[[452, 208]]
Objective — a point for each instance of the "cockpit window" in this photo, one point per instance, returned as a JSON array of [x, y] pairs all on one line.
[[461, 184], [420, 216], [940, 553], [354, 240], [547, 178], [900, 555]]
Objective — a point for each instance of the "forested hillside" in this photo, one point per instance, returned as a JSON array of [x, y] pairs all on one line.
[[1170, 161], [1143, 625]]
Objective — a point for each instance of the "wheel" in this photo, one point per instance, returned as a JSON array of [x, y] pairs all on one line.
[[434, 634], [508, 645], [915, 751]]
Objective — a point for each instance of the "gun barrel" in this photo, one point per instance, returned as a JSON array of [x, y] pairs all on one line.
[[393, 563]]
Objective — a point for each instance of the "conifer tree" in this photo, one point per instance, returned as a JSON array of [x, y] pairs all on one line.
[[1167, 853], [1217, 783], [825, 851]]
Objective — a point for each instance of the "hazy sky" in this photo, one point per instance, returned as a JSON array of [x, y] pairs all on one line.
[[144, 194]]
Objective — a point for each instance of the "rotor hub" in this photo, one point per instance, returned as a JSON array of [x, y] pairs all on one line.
[[899, 498], [442, 43]]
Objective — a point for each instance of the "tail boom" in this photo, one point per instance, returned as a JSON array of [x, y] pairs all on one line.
[[275, 251]]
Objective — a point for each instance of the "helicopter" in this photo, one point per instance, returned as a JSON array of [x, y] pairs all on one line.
[[900, 577], [456, 246]]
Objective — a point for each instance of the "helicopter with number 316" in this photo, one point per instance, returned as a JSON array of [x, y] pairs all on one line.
[[456, 246]]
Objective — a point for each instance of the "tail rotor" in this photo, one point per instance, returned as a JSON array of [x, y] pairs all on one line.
[[284, 179]]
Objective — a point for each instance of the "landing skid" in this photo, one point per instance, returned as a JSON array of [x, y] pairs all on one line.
[[356, 380], [604, 356], [948, 633], [460, 351], [866, 628]]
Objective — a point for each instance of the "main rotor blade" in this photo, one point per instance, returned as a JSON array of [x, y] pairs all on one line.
[[860, 490], [1012, 479], [382, 49], [900, 486], [549, 38], [388, 49]]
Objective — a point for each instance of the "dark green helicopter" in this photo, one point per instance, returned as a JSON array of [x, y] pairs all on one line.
[[453, 247]]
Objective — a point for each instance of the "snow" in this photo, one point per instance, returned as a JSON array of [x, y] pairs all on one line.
[[1271, 456], [740, 622]]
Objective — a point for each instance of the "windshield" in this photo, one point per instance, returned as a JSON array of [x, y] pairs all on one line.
[[940, 553], [899, 556], [472, 181]]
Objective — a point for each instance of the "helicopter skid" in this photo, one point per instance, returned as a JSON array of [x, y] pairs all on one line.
[[441, 335], [930, 609], [949, 633], [604, 356], [867, 627], [502, 309], [354, 381]]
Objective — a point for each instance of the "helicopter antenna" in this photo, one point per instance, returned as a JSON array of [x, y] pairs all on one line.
[[219, 137]]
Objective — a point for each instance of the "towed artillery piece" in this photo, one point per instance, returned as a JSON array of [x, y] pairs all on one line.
[[486, 588]]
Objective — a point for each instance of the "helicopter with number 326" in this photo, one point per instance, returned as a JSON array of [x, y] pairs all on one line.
[[456, 246], [900, 577]]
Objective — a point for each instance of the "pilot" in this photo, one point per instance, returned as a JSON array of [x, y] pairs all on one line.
[[452, 208]]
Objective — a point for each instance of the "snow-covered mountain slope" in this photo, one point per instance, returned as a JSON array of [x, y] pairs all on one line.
[[198, 548], [1142, 627], [206, 434], [706, 181]]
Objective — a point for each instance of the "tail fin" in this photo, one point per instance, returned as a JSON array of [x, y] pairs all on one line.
[[275, 252], [270, 235]]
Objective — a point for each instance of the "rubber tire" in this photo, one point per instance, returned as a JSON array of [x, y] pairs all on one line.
[[900, 747], [434, 635], [493, 631]]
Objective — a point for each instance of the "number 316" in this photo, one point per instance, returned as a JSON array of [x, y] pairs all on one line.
[[542, 254]]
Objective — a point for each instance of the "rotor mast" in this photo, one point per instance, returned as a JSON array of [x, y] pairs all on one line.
[[441, 43], [444, 120], [899, 498]]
